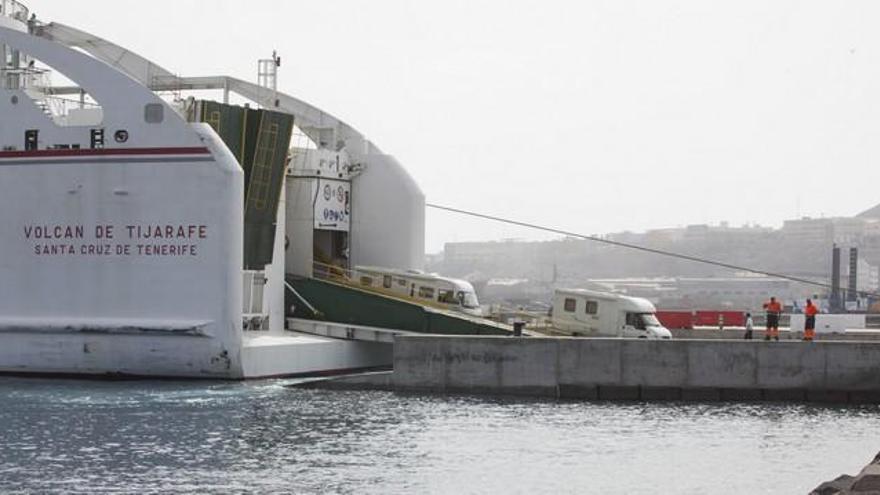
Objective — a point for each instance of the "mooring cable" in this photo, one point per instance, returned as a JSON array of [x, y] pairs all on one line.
[[661, 252]]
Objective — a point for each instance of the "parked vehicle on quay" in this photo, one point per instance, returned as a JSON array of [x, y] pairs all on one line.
[[588, 313]]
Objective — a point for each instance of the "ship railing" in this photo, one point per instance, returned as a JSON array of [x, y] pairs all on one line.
[[59, 108], [365, 282], [253, 315], [534, 320], [351, 278], [14, 9], [26, 78], [37, 83], [333, 273], [345, 276]]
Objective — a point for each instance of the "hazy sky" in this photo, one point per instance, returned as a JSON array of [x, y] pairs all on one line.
[[593, 116]]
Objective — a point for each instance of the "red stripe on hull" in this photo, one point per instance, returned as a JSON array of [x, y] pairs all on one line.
[[104, 152]]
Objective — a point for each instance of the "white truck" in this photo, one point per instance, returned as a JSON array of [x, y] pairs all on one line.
[[588, 313]]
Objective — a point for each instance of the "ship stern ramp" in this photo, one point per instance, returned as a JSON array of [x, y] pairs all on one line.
[[324, 300]]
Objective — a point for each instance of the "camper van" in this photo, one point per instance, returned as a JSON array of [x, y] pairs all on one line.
[[588, 313], [427, 288]]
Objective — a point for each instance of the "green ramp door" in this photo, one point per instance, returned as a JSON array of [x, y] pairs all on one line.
[[259, 139]]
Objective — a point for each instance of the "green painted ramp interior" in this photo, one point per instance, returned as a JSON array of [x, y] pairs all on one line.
[[342, 304]]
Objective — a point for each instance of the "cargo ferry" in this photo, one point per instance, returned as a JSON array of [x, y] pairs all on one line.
[[148, 231]]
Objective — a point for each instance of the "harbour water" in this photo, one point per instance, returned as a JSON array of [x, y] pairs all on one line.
[[144, 436]]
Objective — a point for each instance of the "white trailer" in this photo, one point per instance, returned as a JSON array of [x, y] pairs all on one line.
[[426, 288], [588, 313]]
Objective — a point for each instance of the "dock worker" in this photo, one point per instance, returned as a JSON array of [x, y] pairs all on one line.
[[750, 325], [774, 309], [810, 312]]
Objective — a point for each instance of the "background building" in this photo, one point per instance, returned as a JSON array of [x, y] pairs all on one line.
[[526, 271]]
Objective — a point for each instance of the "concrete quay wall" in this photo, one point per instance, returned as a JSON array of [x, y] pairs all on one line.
[[640, 369], [737, 333]]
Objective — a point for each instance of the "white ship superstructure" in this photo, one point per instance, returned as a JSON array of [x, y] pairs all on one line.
[[136, 238]]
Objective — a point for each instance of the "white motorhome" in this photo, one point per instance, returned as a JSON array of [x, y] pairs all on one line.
[[588, 313], [435, 290]]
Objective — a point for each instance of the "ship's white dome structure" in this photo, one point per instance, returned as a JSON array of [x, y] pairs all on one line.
[[389, 223]]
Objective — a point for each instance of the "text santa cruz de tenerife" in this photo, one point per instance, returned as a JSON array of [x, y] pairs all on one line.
[[169, 240]]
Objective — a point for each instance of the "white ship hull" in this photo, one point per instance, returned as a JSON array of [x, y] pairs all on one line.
[[125, 257], [115, 355]]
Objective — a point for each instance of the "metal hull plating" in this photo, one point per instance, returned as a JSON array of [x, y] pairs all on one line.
[[122, 262]]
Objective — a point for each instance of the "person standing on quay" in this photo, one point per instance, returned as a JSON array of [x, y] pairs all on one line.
[[810, 312], [750, 325], [774, 309]]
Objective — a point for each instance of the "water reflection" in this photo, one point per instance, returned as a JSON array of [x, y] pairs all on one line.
[[69, 436]]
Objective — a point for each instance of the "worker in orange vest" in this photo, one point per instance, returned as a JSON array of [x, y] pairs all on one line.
[[774, 309], [810, 312]]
